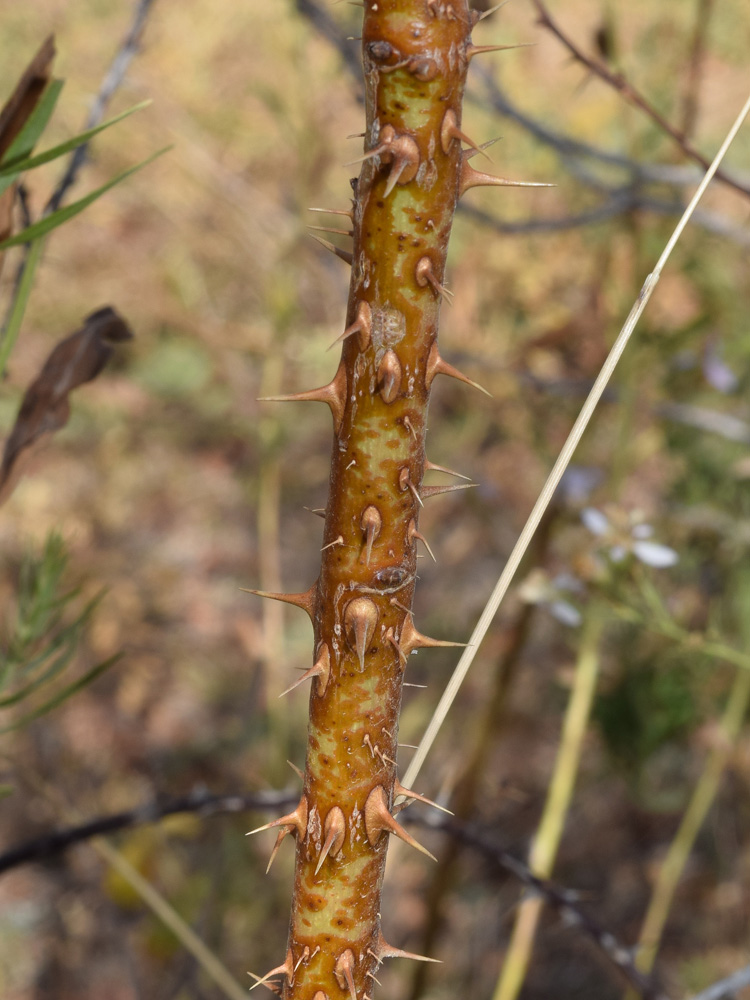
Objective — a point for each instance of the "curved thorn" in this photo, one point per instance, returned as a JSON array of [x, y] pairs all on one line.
[[407, 793], [344, 255], [335, 831], [321, 670], [477, 50], [436, 366], [412, 638], [389, 376], [360, 619], [379, 820], [476, 178], [295, 820], [306, 600], [296, 770], [433, 491], [284, 832], [412, 533], [318, 511], [286, 969], [386, 950], [310, 672], [399, 165], [332, 395], [425, 275], [333, 211], [397, 604], [362, 325], [331, 229], [344, 972], [449, 131], [375, 151], [431, 467], [371, 523], [405, 483], [467, 154], [423, 540], [392, 639], [492, 10]]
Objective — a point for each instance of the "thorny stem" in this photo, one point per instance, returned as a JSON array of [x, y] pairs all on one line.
[[416, 55]]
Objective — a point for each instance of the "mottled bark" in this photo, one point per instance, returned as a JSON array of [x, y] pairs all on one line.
[[416, 54]]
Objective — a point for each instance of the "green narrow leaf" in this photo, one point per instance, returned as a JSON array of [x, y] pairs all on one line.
[[35, 125], [29, 135], [61, 696], [57, 665], [20, 302], [66, 635], [25, 162], [50, 222]]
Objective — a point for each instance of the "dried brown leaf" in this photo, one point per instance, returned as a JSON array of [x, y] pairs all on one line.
[[14, 116], [25, 97], [45, 407]]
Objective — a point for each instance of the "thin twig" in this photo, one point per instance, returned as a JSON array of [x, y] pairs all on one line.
[[561, 465], [110, 84], [568, 147], [57, 841], [560, 899], [621, 84], [619, 202]]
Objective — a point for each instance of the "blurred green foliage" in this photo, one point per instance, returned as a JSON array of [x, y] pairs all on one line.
[[41, 640]]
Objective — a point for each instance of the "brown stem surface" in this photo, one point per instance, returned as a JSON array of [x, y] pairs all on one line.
[[416, 55]]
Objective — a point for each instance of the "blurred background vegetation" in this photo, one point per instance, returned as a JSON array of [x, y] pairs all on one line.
[[172, 487]]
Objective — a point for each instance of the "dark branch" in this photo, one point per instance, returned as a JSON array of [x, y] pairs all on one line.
[[620, 83], [618, 202], [51, 844], [328, 28], [110, 84], [563, 901]]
